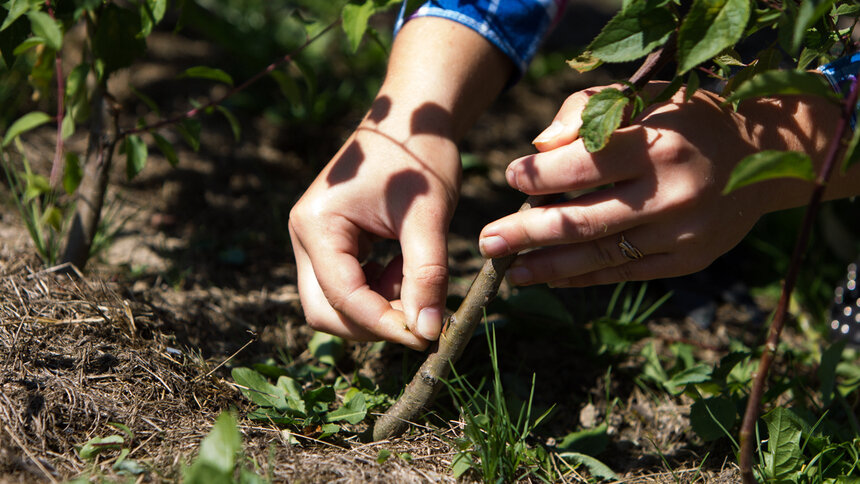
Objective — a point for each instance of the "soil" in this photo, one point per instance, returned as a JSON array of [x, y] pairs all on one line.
[[201, 265]]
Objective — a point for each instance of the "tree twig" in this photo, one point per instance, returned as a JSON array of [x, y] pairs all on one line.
[[747, 433]]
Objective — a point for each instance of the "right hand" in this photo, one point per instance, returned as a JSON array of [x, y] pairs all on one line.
[[395, 178]]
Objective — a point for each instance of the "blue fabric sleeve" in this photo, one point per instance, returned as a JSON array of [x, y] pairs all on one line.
[[517, 27], [841, 73]]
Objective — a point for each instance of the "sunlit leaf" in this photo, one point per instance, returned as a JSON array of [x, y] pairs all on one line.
[[710, 418], [151, 13], [766, 165], [601, 116], [783, 442], [258, 389], [217, 457], [633, 33], [25, 123], [696, 374], [204, 72], [326, 348], [15, 9], [353, 412], [710, 27], [585, 62], [354, 23], [783, 82], [47, 28], [100, 444], [808, 13]]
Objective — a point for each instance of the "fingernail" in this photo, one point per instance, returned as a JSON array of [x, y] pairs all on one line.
[[511, 175], [429, 323], [549, 133], [520, 275], [493, 246]]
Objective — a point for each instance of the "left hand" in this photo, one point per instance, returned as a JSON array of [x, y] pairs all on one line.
[[658, 184]]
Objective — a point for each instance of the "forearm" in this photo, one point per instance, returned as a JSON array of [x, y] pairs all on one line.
[[441, 76]]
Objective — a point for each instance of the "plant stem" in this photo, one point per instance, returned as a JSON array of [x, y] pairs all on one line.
[[57, 167], [747, 432], [460, 326]]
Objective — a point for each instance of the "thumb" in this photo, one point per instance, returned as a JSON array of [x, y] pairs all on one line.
[[425, 277], [564, 128]]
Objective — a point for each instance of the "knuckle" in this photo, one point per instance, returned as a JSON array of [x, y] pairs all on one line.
[[624, 272], [605, 254], [430, 274]]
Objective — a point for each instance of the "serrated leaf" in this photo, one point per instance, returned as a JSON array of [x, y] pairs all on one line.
[[354, 22], [633, 33], [783, 82], [783, 443], [25, 123], [136, 154], [99, 444], [258, 389], [710, 27], [769, 164], [204, 72], [47, 28], [585, 62], [594, 466], [326, 348], [234, 123], [73, 173], [353, 412], [166, 149], [601, 117], [709, 416]]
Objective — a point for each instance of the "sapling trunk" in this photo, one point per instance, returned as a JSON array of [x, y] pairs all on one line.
[[461, 325]]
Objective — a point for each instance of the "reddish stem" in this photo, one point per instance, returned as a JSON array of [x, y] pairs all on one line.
[[57, 167], [747, 433]]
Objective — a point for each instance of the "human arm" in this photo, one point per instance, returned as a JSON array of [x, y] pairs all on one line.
[[396, 177], [662, 180]]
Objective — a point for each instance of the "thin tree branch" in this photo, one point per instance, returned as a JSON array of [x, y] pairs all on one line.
[[747, 433], [57, 167]]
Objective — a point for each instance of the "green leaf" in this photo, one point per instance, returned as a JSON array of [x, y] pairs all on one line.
[[692, 86], [146, 100], [710, 27], [53, 217], [10, 37], [17, 8], [218, 450], [166, 148], [769, 164], [696, 374], [25, 123], [594, 466], [99, 444], [783, 82], [588, 441], [234, 123], [808, 13], [827, 370], [151, 13], [190, 131], [327, 430], [633, 33], [47, 28], [783, 443], [326, 348], [460, 464], [709, 416], [258, 389], [847, 9], [382, 456], [601, 116], [73, 174], [353, 412], [136, 154], [211, 73], [354, 23]]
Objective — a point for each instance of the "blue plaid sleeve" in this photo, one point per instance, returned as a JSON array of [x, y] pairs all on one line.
[[517, 27], [841, 73]]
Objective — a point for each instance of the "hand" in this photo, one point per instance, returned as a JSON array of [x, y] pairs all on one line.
[[384, 183], [657, 183]]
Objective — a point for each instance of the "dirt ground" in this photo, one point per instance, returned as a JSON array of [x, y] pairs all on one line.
[[202, 266]]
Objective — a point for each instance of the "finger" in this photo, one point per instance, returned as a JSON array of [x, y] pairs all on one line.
[[571, 260], [337, 299], [389, 279], [571, 167], [657, 266], [565, 125], [425, 275], [585, 218]]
